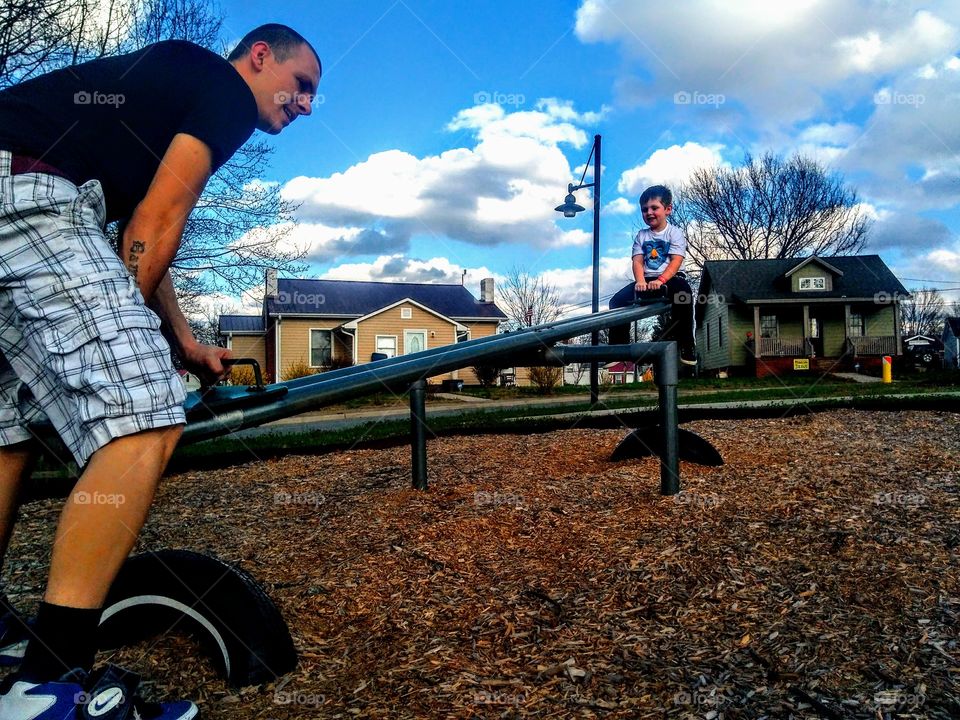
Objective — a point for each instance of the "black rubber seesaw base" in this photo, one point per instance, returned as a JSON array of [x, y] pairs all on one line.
[[220, 605]]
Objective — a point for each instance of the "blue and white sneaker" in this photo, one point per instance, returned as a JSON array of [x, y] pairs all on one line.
[[108, 694], [13, 636]]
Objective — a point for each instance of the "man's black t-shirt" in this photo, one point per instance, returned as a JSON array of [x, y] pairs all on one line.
[[113, 119]]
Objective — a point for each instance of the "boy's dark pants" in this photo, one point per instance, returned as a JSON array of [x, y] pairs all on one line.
[[679, 323]]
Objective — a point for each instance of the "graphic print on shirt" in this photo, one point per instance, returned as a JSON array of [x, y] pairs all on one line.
[[656, 253]]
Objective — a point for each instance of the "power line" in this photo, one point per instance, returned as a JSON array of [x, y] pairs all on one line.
[[943, 282]]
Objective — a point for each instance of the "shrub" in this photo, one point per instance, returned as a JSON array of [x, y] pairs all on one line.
[[242, 375], [298, 369], [545, 379], [487, 374]]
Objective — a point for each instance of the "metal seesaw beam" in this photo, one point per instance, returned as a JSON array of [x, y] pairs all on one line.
[[530, 346], [309, 393]]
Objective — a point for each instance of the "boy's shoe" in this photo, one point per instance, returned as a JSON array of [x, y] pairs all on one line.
[[688, 354], [13, 638], [108, 694]]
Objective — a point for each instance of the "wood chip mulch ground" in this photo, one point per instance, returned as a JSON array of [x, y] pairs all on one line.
[[816, 574]]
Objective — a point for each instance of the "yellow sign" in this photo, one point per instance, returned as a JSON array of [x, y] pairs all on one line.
[[801, 364]]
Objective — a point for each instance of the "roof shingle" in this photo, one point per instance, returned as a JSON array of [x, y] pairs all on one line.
[[349, 298], [744, 280], [241, 324]]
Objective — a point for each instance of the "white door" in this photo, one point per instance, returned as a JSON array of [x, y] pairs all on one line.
[[414, 341]]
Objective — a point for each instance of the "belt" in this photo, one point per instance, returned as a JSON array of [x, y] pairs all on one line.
[[22, 164]]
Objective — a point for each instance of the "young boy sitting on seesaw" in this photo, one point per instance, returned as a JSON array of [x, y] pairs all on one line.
[[657, 256]]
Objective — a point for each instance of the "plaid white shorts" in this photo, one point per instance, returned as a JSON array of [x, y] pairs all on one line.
[[77, 343]]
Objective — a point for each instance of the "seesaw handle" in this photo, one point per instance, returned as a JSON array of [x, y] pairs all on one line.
[[258, 377]]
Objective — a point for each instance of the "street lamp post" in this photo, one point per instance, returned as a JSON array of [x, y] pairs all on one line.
[[570, 208]]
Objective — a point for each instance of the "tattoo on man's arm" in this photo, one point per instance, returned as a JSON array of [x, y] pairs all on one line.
[[137, 249]]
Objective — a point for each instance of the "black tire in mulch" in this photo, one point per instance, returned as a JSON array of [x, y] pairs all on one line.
[[179, 591]]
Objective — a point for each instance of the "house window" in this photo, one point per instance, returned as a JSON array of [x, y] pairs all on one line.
[[720, 331], [708, 337], [813, 283], [321, 342], [768, 326], [406, 313], [857, 325], [387, 344], [414, 341]]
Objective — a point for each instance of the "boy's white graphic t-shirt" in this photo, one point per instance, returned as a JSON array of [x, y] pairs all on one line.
[[657, 247]]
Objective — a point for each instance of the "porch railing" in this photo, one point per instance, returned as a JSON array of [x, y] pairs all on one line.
[[873, 345], [782, 348]]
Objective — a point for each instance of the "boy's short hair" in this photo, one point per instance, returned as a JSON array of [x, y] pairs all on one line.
[[283, 41], [657, 192]]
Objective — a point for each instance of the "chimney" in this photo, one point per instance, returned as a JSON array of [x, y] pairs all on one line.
[[270, 282], [486, 290]]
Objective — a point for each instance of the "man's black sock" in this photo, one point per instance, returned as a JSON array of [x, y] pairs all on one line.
[[63, 638]]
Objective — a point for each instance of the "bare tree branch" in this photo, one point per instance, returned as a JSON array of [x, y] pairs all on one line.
[[768, 207], [528, 299], [923, 313]]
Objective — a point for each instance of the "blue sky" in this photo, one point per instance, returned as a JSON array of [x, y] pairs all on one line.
[[446, 132]]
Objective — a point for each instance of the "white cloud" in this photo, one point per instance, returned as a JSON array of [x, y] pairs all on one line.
[[841, 133], [912, 128], [621, 206], [777, 60], [926, 37], [896, 228], [948, 261], [825, 143], [501, 190], [399, 268], [575, 238], [574, 284], [670, 166], [942, 264], [323, 243], [216, 304]]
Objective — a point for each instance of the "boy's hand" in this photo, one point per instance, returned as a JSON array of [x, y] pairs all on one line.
[[654, 285], [641, 286]]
